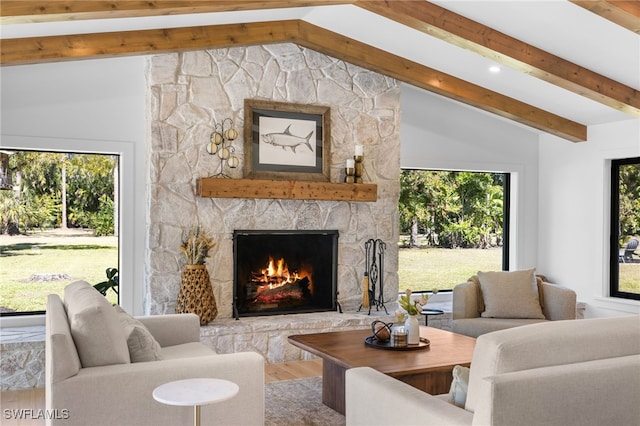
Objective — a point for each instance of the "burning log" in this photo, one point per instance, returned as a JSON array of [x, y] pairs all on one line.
[[295, 291], [300, 285]]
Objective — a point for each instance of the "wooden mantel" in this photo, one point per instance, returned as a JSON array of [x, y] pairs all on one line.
[[285, 189]]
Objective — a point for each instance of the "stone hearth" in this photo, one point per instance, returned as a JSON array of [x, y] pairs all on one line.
[[268, 335]]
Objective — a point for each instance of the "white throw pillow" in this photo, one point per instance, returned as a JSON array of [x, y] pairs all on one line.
[[142, 345], [459, 385], [95, 327], [510, 294]]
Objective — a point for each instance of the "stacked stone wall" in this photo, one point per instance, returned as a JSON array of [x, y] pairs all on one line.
[[191, 91]]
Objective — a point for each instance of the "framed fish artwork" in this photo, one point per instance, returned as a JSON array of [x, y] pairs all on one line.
[[286, 141]]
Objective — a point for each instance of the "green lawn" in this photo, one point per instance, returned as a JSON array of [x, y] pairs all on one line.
[[442, 269], [76, 254], [629, 280]]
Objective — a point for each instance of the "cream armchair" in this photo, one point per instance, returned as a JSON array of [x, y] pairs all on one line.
[[494, 301], [91, 379]]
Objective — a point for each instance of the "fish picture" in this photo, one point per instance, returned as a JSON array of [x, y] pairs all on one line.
[[286, 139], [287, 142]]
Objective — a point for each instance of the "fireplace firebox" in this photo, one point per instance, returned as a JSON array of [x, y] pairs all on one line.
[[284, 272]]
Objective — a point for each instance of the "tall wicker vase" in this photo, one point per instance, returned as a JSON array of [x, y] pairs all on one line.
[[196, 295]]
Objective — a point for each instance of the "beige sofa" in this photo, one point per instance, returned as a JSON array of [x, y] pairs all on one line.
[[579, 372], [82, 331], [547, 302]]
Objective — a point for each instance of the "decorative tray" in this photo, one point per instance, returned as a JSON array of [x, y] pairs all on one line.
[[372, 342]]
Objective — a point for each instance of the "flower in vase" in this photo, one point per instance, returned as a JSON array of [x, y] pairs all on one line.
[[410, 306], [196, 245]]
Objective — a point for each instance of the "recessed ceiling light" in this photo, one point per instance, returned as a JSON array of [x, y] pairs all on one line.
[[494, 69]]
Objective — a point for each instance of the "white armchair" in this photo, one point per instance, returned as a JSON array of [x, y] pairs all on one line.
[[119, 392]]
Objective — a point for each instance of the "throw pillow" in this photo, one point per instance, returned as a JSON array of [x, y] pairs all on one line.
[[95, 328], [512, 294], [539, 279], [459, 385], [142, 345]]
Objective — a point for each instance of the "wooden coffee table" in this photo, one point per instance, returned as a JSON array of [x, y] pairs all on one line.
[[426, 369]]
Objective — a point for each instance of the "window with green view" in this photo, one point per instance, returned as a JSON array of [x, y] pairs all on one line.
[[452, 224], [625, 229], [59, 224]]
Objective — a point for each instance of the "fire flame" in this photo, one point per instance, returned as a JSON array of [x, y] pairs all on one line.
[[276, 282], [277, 274]]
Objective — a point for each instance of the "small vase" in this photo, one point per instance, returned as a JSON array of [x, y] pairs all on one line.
[[412, 327]]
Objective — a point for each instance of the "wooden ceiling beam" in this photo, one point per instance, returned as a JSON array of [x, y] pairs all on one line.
[[418, 75], [85, 46], [30, 11], [470, 35], [624, 13]]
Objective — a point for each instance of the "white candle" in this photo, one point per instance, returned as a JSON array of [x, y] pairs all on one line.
[[350, 163], [358, 149]]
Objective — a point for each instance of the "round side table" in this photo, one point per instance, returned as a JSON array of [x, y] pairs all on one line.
[[428, 311], [196, 392]]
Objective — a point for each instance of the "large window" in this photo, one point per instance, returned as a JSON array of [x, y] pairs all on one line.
[[59, 223], [452, 225], [625, 228]]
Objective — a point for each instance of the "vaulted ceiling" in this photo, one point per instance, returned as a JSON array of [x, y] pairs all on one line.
[[564, 65]]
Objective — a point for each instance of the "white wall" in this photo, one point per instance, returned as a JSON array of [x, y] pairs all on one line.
[[94, 105], [574, 212], [439, 133]]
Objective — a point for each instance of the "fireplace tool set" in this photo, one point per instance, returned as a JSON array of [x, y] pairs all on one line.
[[374, 270]]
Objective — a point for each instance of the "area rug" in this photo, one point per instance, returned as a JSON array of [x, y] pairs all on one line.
[[298, 403]]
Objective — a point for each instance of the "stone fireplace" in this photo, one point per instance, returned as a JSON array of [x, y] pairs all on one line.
[[284, 272], [191, 91]]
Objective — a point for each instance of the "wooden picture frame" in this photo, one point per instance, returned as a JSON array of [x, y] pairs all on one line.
[[285, 141]]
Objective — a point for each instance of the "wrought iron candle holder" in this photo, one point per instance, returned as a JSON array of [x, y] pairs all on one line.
[[220, 145]]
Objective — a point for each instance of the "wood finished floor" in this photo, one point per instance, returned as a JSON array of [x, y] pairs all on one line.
[[33, 399]]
